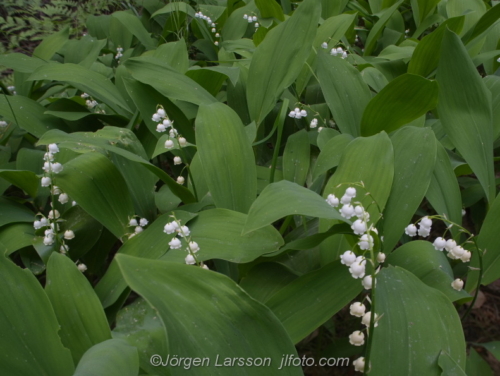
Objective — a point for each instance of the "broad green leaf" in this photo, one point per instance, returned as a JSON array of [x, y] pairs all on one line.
[[84, 51], [28, 115], [488, 242], [231, 323], [20, 62], [493, 347], [270, 9], [476, 365], [284, 198], [422, 8], [86, 80], [312, 299], [152, 243], [368, 161], [26, 180], [291, 41], [227, 157], [176, 6], [51, 44], [444, 192], [309, 242], [414, 160], [208, 79], [345, 92], [449, 366], [376, 31], [493, 85], [140, 326], [29, 344], [465, 110], [218, 233], [471, 9], [425, 58], [134, 26], [16, 236], [333, 29], [234, 28], [266, 279], [429, 265], [12, 212], [174, 54], [487, 20], [113, 357], [296, 157], [95, 183], [77, 308], [168, 81], [404, 99], [435, 326], [330, 155]]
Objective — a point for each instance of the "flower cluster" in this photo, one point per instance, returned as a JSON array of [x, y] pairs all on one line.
[[3, 124], [90, 103], [183, 234], [12, 89], [297, 113], [119, 53], [51, 223], [357, 338], [138, 225], [314, 123], [339, 51], [356, 264], [250, 19]]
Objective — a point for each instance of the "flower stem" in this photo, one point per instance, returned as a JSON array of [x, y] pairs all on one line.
[[476, 293], [372, 316]]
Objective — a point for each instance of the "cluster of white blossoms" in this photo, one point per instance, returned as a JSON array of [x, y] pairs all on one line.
[[138, 225], [297, 113], [12, 89], [356, 264], [51, 223], [314, 123], [455, 251], [339, 51], [90, 103], [119, 53], [164, 123], [201, 16], [250, 19], [3, 124], [183, 235]]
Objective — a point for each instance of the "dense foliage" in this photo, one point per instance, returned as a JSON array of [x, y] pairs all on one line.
[[219, 187]]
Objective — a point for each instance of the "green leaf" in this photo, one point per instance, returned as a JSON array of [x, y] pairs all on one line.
[[376, 31], [330, 155], [234, 325], [473, 10], [402, 100], [134, 26], [312, 299], [465, 110], [266, 279], [168, 81], [444, 192], [51, 44], [493, 347], [425, 58], [12, 212], [449, 366], [414, 160], [435, 326], [26, 180], [291, 41], [345, 92], [476, 365], [422, 8], [485, 22], [429, 265], [270, 9], [28, 115], [333, 29], [113, 357], [296, 157], [493, 85], [174, 54], [95, 183], [176, 6], [227, 157], [20, 62], [369, 160], [29, 344], [488, 242], [284, 198], [77, 308], [86, 80], [16, 236]]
